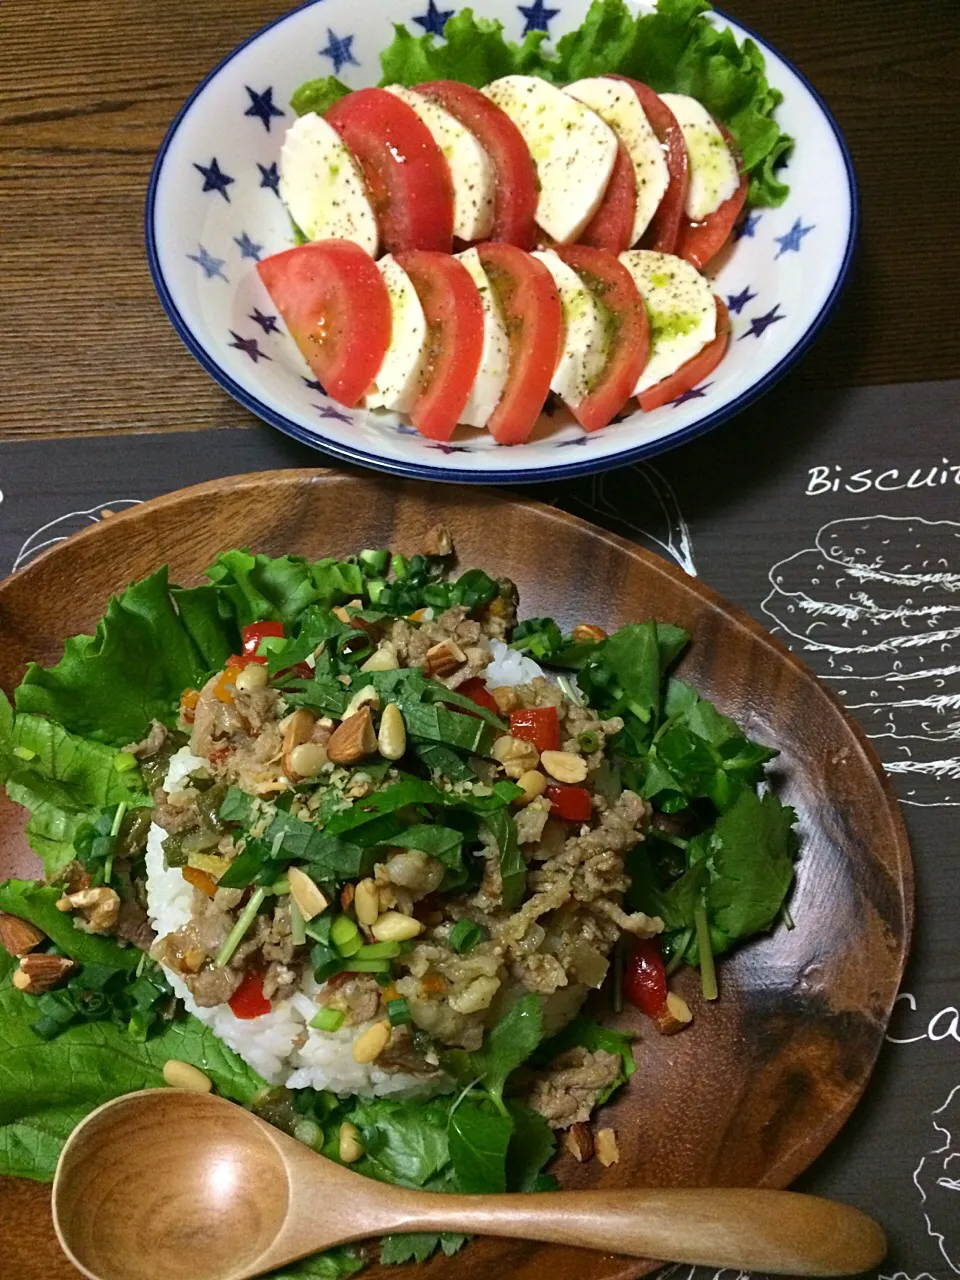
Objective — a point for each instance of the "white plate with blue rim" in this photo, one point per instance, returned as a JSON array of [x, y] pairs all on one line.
[[214, 210]]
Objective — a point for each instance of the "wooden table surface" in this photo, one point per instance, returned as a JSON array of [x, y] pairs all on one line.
[[89, 88]]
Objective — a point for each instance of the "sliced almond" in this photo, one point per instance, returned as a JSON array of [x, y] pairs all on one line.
[[443, 659], [579, 1142], [675, 1016], [438, 541], [608, 1152], [39, 973], [19, 937], [298, 729], [307, 895], [353, 740]]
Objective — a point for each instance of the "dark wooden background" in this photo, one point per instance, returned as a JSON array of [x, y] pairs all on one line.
[[88, 88]]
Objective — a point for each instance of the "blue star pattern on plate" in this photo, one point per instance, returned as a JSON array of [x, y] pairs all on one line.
[[214, 179], [262, 106], [792, 240], [537, 16], [737, 301], [340, 51], [434, 20], [211, 265], [267, 323], [760, 323], [450, 448], [248, 346], [693, 393], [247, 247], [747, 227], [315, 385], [270, 177], [328, 411], [404, 430], [565, 444]]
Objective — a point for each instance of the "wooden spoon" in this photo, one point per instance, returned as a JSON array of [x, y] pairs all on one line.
[[171, 1185]]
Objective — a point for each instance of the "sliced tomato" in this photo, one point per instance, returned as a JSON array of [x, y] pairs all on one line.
[[248, 1001], [454, 315], [664, 228], [530, 303], [407, 177], [695, 370], [476, 690], [516, 197], [698, 242], [337, 310], [570, 803], [538, 725], [611, 227], [610, 281]]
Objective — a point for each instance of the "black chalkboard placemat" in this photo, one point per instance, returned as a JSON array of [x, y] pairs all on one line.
[[834, 518]]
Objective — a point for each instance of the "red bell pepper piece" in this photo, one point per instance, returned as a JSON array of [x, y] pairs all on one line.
[[539, 725], [248, 1001], [254, 633], [645, 979], [476, 690], [570, 803]]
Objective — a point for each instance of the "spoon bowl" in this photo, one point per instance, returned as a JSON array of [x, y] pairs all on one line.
[[163, 1179]]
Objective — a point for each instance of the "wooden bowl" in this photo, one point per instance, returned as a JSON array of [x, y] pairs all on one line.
[[765, 1078]]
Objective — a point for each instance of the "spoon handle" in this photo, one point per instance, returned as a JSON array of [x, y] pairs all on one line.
[[780, 1232]]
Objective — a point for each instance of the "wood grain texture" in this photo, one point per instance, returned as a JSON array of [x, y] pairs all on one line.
[[766, 1077], [90, 88]]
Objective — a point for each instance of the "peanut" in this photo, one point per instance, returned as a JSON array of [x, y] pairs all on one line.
[[564, 766]]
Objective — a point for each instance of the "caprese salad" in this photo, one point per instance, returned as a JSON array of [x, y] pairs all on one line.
[[497, 225]]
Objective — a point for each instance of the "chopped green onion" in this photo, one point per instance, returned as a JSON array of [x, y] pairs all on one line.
[[366, 966], [589, 741], [317, 930], [327, 1020], [280, 887], [118, 818], [375, 589], [345, 936], [24, 753], [398, 1011], [236, 935], [465, 935], [298, 926], [309, 1133], [400, 566], [786, 917], [374, 562], [123, 761], [676, 960], [384, 979], [708, 972], [379, 951]]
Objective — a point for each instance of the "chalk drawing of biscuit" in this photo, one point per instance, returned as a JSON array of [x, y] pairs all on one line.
[[903, 549]]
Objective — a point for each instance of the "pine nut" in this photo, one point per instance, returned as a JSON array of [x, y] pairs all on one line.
[[183, 1075], [564, 766], [351, 1148], [382, 659], [308, 897], [392, 738], [394, 926], [253, 676], [366, 902], [308, 759], [369, 1045], [534, 784], [365, 697]]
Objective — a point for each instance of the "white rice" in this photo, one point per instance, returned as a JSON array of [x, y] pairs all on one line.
[[510, 667], [270, 1043]]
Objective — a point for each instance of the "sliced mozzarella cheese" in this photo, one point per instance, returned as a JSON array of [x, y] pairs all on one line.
[[617, 104], [471, 169], [585, 337], [680, 308], [712, 168], [404, 365], [322, 186], [495, 358], [572, 149]]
